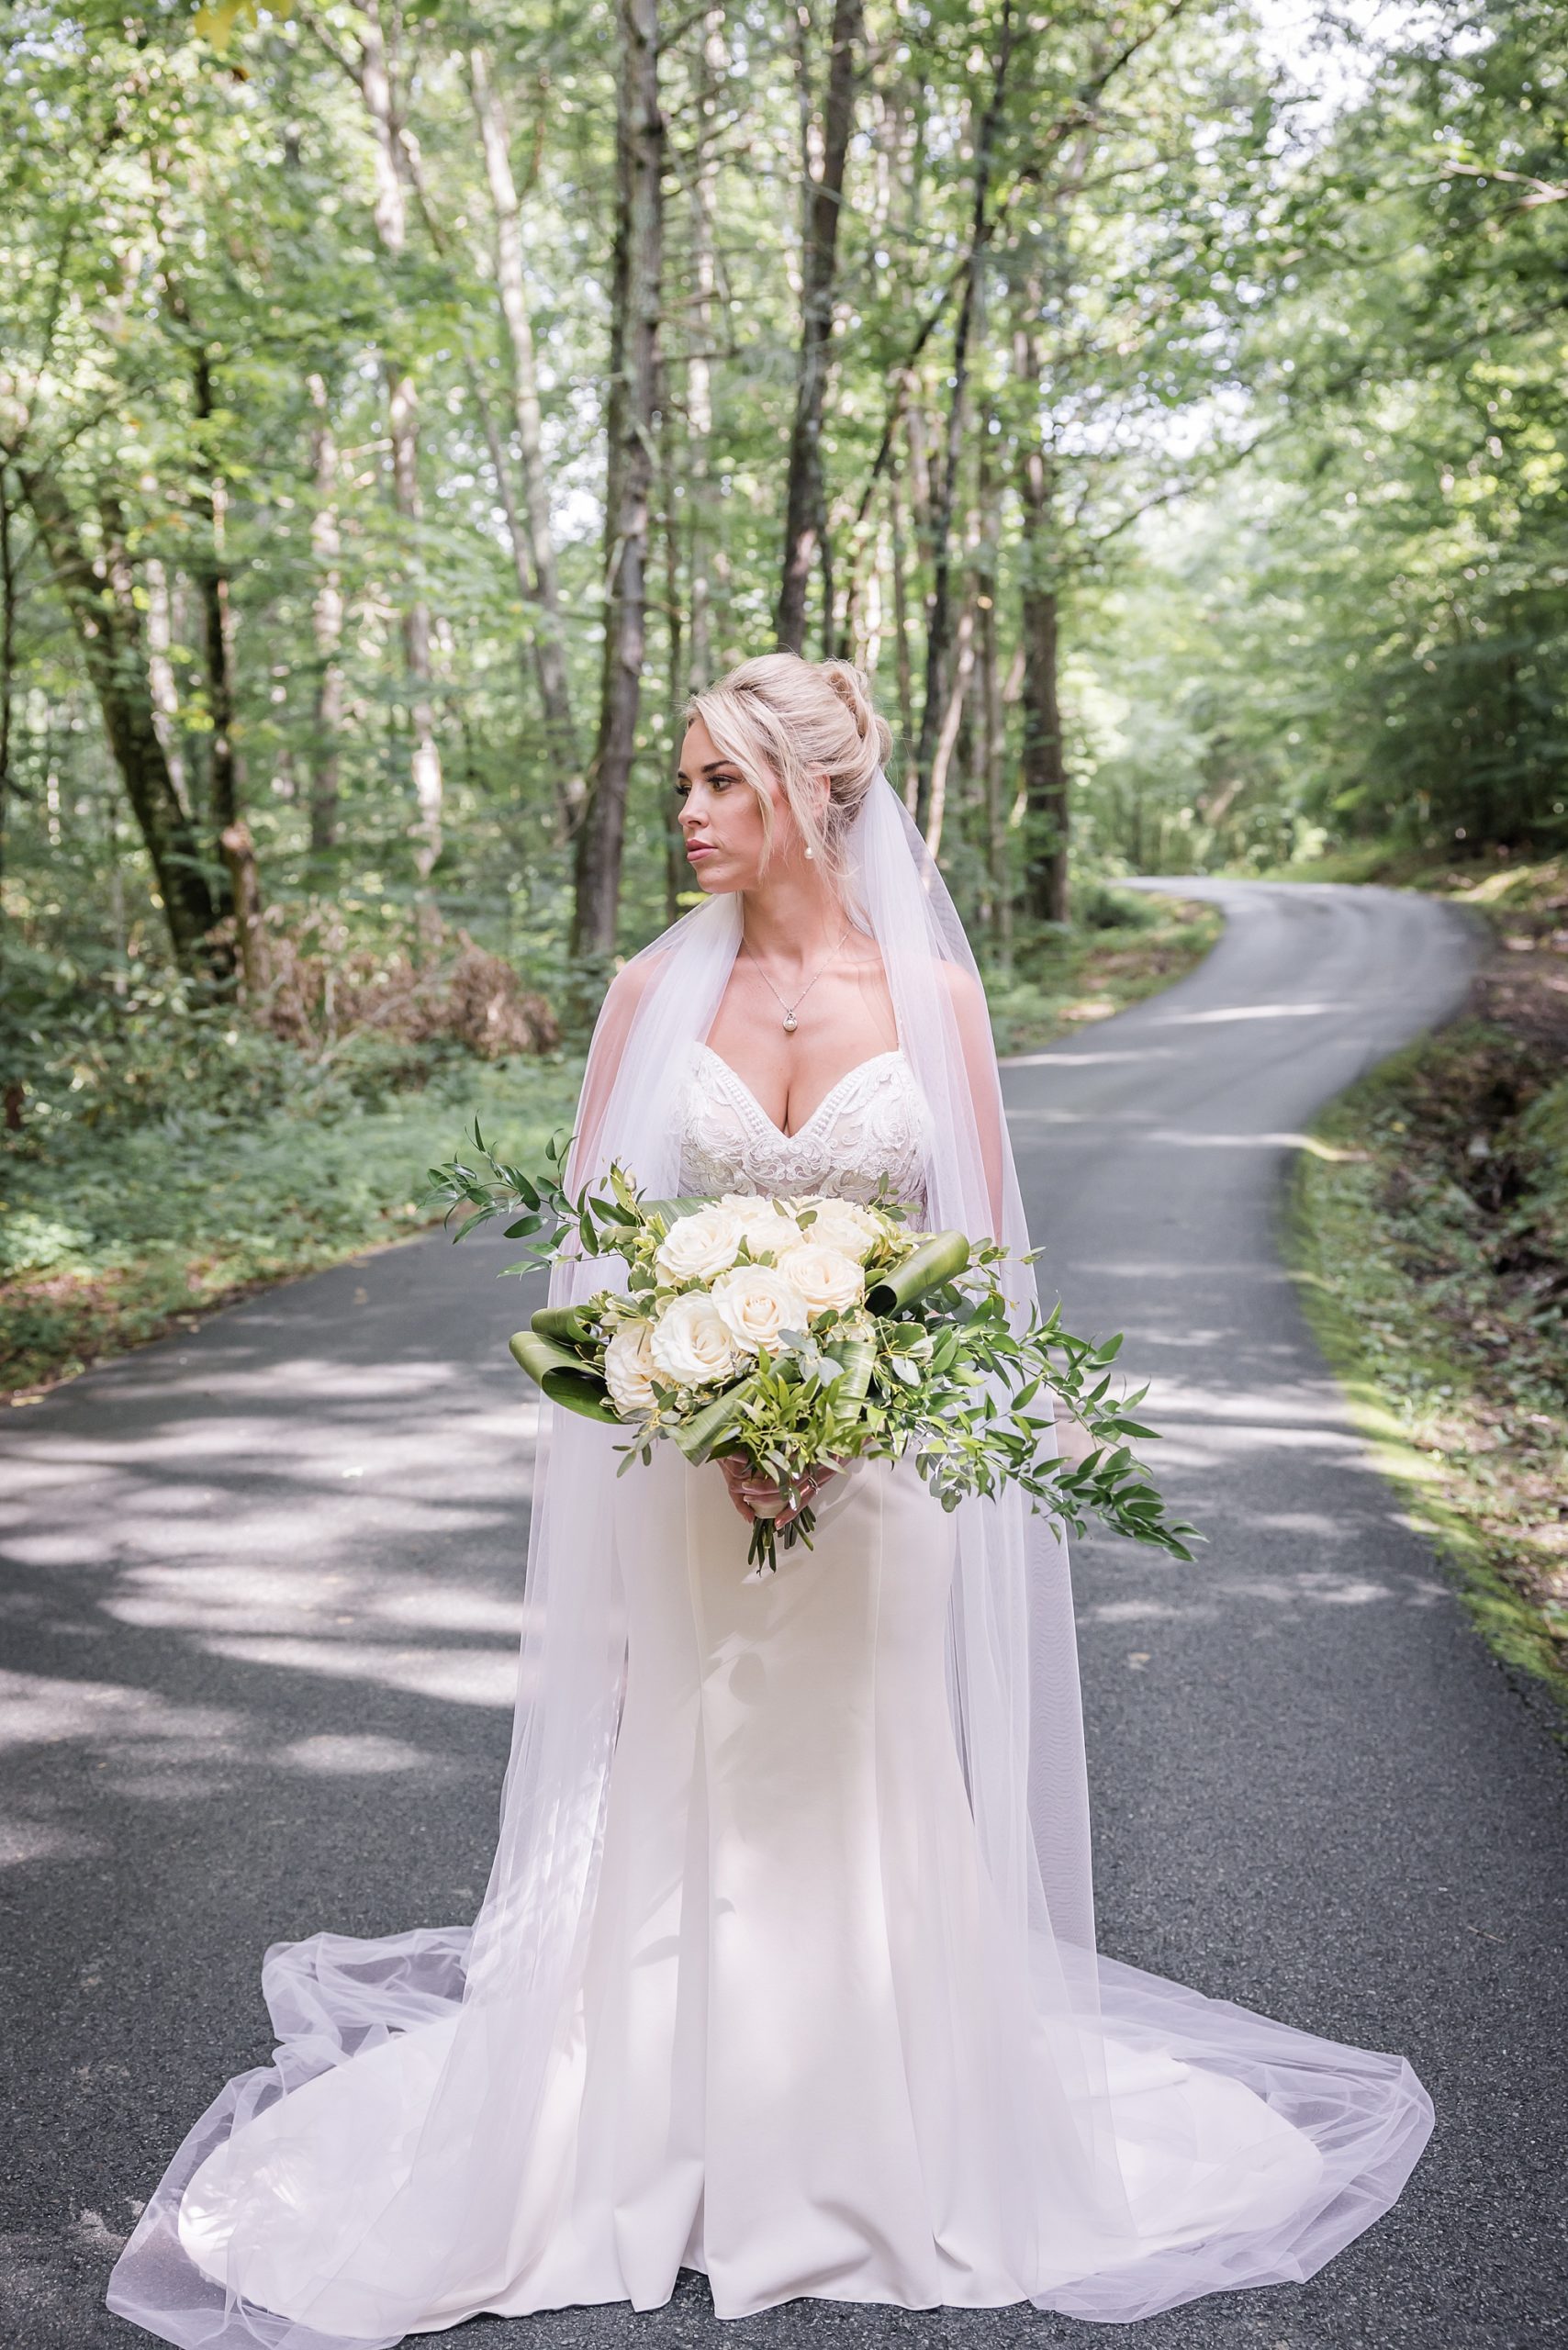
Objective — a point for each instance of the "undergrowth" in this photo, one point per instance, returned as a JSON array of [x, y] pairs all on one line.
[[1123, 944], [1431, 1229], [223, 1162], [167, 1156]]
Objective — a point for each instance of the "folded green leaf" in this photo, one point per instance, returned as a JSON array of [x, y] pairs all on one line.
[[707, 1430], [567, 1325], [941, 1258], [564, 1377]]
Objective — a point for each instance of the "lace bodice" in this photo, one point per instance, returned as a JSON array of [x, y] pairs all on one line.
[[872, 1123]]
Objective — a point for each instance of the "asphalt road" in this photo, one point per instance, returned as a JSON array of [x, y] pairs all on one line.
[[261, 1594]]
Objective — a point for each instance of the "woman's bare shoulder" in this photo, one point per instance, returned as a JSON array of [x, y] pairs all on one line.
[[965, 991], [632, 982]]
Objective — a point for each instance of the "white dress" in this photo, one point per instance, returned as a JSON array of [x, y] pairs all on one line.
[[797, 2058]]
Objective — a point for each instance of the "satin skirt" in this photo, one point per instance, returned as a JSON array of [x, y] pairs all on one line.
[[803, 2055]]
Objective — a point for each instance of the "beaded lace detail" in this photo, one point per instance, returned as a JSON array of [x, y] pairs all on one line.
[[872, 1123]]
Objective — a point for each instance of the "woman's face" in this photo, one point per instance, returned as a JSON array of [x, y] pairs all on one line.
[[721, 819]]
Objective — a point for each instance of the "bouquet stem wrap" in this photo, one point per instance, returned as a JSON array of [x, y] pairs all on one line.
[[564, 1378]]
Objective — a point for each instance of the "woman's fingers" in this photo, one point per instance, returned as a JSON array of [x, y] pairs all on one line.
[[745, 1487], [811, 1486], [751, 1493]]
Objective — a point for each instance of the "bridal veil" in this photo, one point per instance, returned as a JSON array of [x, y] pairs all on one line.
[[1104, 2037]]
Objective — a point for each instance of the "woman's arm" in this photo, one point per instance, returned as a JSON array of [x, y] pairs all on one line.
[[611, 1034], [977, 1048]]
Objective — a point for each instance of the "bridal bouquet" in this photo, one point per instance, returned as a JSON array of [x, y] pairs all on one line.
[[803, 1333]]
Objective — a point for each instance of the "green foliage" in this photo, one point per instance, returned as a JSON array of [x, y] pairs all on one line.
[[1543, 1143], [1364, 633], [188, 192], [89, 1064], [1124, 946], [1296, 415], [1430, 1239], [125, 1225]]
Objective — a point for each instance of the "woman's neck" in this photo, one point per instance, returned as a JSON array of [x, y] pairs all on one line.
[[791, 920]]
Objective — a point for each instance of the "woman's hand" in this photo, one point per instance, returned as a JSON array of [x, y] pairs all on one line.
[[751, 1493]]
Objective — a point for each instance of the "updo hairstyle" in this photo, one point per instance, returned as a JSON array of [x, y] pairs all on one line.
[[801, 719]]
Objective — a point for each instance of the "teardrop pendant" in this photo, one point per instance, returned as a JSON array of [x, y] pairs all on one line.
[[790, 1023]]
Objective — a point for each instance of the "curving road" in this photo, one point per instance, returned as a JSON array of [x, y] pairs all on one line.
[[260, 1588]]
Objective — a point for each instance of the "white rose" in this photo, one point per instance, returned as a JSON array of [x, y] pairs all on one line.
[[766, 1229], [755, 1303], [698, 1246], [824, 1277], [843, 1225], [691, 1345], [627, 1369]]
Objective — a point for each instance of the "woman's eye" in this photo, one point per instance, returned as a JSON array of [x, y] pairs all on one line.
[[681, 791]]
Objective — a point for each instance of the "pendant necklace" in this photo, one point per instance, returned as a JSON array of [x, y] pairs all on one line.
[[789, 1010]]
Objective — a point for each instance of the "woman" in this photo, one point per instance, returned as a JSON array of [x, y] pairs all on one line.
[[786, 1970]]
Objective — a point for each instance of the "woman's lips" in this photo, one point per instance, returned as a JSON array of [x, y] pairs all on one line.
[[694, 849]]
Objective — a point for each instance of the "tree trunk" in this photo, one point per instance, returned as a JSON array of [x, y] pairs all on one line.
[[8, 602], [992, 712], [391, 214], [945, 485], [903, 665], [160, 675], [226, 775], [993, 764], [805, 505], [942, 756], [677, 872], [238, 853], [429, 786], [634, 381], [569, 782], [225, 772], [326, 628], [698, 372], [110, 630], [549, 646], [1043, 767]]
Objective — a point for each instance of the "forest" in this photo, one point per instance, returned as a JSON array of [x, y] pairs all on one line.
[[404, 407]]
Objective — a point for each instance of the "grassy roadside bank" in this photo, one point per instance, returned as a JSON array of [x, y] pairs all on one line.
[[114, 1234], [1429, 1230], [1125, 945], [152, 1228]]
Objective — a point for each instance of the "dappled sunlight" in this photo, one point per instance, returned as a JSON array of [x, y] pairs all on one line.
[[136, 1744], [23, 1842], [1103, 1057], [1138, 1611], [39, 1711], [1212, 1597], [1220, 1014], [251, 1599], [458, 1676], [143, 1747], [1183, 1138], [347, 1756], [1217, 1445], [1293, 1402], [288, 1565], [435, 1607]]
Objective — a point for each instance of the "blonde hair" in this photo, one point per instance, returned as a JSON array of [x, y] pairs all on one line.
[[800, 720]]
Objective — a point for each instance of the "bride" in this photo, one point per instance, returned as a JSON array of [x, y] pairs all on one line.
[[786, 1969]]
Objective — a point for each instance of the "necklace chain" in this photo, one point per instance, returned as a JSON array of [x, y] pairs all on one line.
[[789, 1010]]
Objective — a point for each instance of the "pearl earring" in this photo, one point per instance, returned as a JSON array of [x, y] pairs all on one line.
[[810, 851]]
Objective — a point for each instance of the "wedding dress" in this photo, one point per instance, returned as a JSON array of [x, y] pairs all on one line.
[[807, 2034]]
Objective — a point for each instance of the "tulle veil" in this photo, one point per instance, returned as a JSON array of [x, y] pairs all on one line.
[[457, 2145]]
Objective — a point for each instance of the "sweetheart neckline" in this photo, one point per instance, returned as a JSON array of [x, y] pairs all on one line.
[[895, 1054]]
